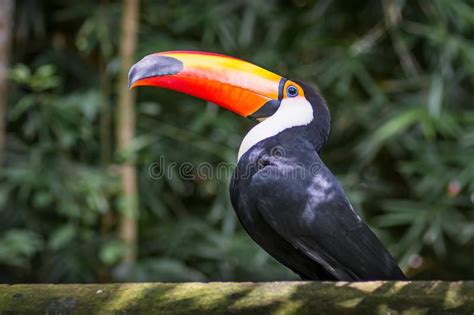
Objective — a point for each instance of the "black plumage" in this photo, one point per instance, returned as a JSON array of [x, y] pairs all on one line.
[[293, 207]]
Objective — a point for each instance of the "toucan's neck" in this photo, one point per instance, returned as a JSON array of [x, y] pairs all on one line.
[[291, 113], [317, 132], [302, 116]]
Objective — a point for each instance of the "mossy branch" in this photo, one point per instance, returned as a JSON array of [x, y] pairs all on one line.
[[423, 297]]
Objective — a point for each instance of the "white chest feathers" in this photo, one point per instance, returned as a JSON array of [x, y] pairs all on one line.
[[291, 113]]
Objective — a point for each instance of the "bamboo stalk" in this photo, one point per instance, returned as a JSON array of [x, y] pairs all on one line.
[[6, 20], [126, 130]]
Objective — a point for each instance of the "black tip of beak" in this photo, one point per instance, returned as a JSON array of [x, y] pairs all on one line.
[[154, 66]]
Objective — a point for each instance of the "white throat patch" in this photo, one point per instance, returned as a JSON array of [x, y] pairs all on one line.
[[292, 112]]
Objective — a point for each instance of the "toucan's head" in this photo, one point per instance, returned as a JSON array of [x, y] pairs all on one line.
[[234, 84]]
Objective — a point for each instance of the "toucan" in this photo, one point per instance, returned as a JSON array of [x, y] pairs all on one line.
[[285, 197]]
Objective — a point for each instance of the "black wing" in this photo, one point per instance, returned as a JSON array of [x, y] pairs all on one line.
[[307, 207]]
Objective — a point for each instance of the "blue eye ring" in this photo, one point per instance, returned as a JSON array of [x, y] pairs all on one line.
[[291, 91]]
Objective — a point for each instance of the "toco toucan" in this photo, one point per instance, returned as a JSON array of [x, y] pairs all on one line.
[[287, 200]]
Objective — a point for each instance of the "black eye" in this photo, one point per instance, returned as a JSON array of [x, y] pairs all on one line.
[[291, 91]]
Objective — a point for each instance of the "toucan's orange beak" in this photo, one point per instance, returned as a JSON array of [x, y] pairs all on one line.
[[237, 85]]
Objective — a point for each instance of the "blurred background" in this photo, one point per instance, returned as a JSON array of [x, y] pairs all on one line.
[[78, 204]]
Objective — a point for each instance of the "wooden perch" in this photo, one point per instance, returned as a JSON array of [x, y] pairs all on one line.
[[423, 297]]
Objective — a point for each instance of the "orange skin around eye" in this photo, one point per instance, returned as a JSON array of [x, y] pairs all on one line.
[[287, 84]]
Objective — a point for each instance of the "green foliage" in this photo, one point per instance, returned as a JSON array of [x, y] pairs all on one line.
[[17, 247], [398, 78]]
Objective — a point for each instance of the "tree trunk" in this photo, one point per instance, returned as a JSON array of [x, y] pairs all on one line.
[[391, 297], [6, 20], [126, 130]]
